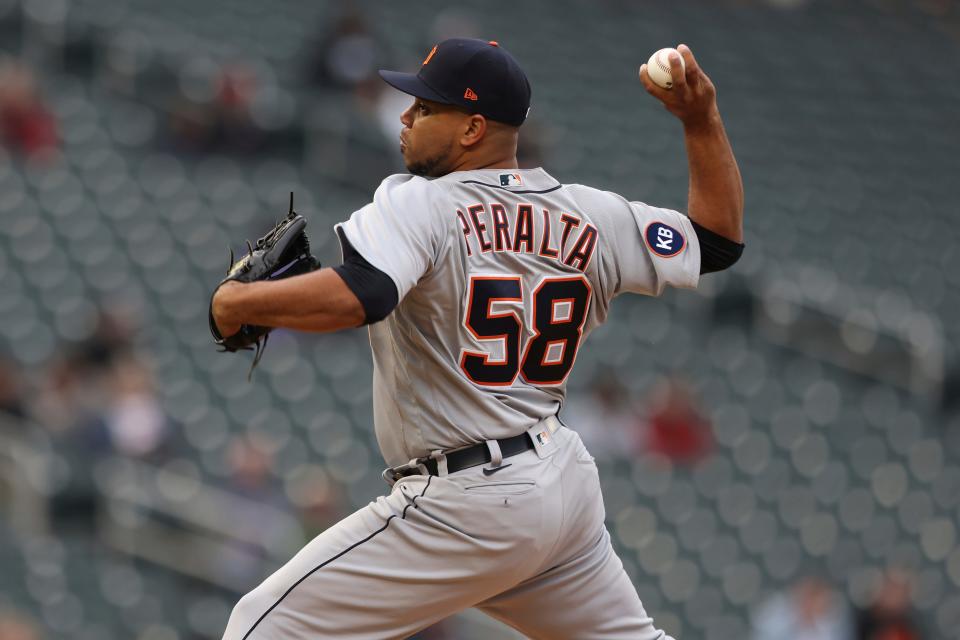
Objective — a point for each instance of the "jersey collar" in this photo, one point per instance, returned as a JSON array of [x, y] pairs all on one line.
[[513, 180]]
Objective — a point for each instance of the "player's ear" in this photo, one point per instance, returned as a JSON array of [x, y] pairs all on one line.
[[475, 128]]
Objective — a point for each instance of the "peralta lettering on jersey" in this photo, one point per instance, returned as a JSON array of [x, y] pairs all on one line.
[[524, 229]]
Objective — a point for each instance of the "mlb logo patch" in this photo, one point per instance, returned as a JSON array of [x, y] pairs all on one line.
[[510, 180], [542, 441]]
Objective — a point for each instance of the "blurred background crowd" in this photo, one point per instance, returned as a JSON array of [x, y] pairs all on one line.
[[780, 451]]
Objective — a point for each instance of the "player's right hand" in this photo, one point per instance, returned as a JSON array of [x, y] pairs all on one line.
[[693, 98], [226, 327]]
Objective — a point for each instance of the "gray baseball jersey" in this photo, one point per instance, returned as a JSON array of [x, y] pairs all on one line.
[[501, 276]]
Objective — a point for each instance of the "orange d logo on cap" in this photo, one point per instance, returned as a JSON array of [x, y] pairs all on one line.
[[430, 55]]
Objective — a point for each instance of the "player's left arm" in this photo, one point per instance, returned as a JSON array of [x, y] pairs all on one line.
[[715, 200], [349, 295], [319, 301]]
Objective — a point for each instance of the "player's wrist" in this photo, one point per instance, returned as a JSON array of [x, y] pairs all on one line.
[[706, 121], [224, 308]]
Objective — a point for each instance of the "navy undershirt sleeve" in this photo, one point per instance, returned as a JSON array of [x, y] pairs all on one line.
[[716, 252], [374, 289]]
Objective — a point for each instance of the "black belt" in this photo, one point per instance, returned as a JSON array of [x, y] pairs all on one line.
[[462, 459]]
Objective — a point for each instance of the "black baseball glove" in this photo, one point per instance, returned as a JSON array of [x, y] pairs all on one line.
[[283, 252]]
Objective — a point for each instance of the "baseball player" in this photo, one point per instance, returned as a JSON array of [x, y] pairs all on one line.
[[479, 282]]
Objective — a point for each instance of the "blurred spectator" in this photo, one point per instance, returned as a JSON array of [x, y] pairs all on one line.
[[322, 513], [135, 422], [249, 462], [889, 617], [675, 427], [11, 390], [67, 395], [70, 405], [213, 113], [811, 610], [77, 386], [355, 136], [606, 419], [236, 89], [14, 626], [26, 124], [349, 54], [98, 399], [234, 109], [112, 337], [390, 103], [374, 130], [251, 519], [320, 502]]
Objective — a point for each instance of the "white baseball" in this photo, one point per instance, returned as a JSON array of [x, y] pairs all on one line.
[[658, 67]]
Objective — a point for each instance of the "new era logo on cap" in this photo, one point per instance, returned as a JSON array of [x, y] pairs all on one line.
[[470, 95]]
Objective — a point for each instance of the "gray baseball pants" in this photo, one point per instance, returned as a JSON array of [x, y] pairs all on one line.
[[526, 545]]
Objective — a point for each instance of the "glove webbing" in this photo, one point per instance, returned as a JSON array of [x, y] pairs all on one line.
[[258, 350]]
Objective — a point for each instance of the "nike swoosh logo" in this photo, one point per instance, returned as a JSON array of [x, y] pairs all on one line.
[[489, 472]]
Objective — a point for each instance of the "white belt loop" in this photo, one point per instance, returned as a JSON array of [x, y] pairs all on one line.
[[392, 474], [441, 459], [496, 456]]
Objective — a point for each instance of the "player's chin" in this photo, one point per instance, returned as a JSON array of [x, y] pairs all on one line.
[[417, 169], [422, 169], [432, 166], [412, 164]]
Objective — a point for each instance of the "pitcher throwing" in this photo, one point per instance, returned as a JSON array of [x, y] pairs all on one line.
[[480, 282]]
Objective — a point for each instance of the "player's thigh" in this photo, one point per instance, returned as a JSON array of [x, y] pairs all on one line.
[[348, 582], [390, 569], [588, 598]]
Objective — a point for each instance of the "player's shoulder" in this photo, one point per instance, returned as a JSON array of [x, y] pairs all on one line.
[[591, 196], [401, 185], [604, 207], [415, 202], [403, 191]]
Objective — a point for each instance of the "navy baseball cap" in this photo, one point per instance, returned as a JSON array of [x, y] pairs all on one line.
[[478, 75]]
